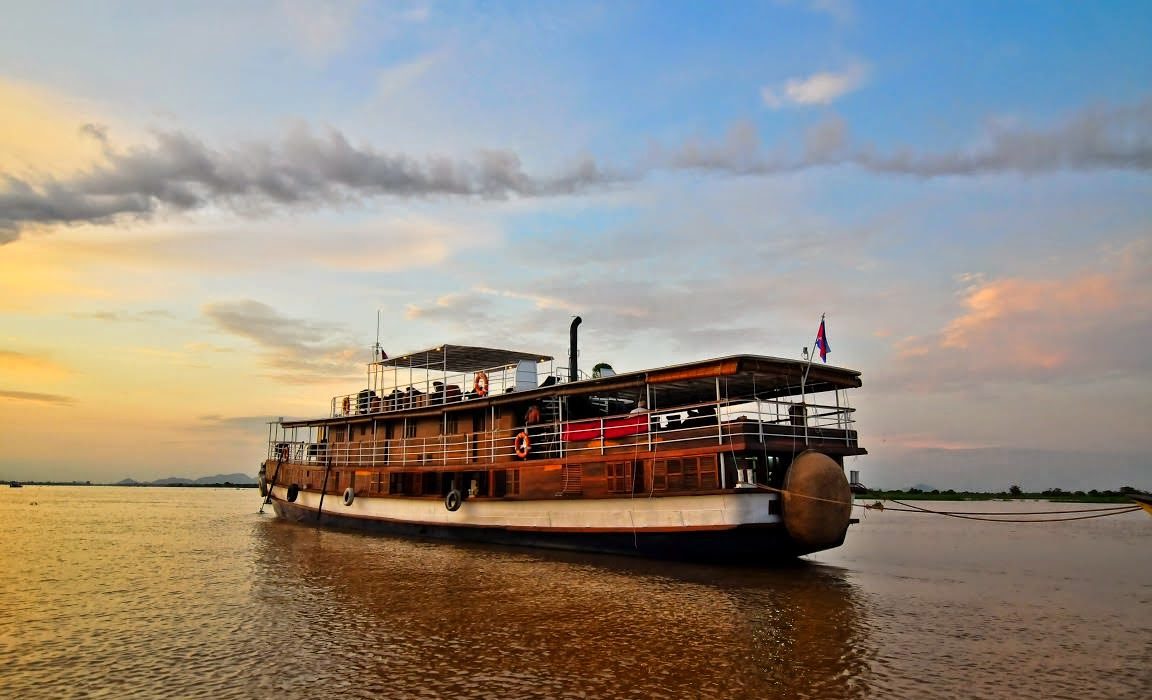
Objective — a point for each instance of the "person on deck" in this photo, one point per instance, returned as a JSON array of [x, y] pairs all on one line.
[[536, 432]]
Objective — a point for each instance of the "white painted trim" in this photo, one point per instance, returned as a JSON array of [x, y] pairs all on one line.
[[719, 511]]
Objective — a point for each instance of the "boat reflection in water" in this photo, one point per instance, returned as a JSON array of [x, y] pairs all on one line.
[[398, 617]]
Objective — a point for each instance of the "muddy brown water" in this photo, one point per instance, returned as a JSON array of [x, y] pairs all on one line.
[[187, 593]]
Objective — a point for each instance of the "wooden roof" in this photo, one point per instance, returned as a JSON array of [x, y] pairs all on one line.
[[740, 375], [462, 358]]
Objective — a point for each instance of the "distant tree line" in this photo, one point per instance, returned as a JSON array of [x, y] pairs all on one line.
[[1013, 491]]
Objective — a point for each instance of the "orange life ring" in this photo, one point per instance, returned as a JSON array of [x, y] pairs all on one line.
[[522, 445], [347, 405], [480, 386]]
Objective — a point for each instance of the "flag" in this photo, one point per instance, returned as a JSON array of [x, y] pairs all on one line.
[[822, 343]]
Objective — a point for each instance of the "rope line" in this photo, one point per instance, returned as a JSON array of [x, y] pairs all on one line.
[[972, 515], [1032, 512], [1022, 520]]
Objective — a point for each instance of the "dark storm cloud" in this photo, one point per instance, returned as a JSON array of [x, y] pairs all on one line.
[[177, 172]]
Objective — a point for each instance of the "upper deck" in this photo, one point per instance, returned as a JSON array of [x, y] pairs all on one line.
[[448, 376]]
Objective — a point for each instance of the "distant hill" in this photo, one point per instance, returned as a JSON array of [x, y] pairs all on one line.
[[236, 478]]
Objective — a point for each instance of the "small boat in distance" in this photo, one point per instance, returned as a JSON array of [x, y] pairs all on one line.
[[737, 458]]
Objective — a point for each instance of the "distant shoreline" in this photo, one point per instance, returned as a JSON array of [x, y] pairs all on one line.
[[1093, 496], [224, 485]]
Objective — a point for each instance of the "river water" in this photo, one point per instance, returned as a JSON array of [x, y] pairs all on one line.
[[186, 593]]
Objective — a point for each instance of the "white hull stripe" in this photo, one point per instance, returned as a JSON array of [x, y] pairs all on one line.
[[712, 512]]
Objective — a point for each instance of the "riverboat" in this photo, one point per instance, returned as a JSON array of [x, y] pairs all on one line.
[[738, 457]]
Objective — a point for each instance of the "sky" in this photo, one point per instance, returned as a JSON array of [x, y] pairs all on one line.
[[204, 207]]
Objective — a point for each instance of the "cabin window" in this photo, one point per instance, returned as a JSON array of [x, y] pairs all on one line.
[[572, 479], [619, 477], [403, 483], [684, 474], [706, 466], [451, 424], [513, 482], [377, 484], [410, 429]]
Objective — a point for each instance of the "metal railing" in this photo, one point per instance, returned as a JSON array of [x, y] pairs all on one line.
[[436, 388], [713, 423]]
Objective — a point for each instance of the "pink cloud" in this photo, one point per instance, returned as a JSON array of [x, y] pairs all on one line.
[[1090, 322]]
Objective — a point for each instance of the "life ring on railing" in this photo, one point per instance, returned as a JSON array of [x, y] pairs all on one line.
[[480, 386], [349, 496], [522, 445], [293, 492], [453, 500], [347, 405]]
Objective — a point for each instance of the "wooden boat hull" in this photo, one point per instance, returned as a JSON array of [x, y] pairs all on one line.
[[752, 542]]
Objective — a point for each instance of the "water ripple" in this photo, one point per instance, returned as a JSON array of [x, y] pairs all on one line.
[[161, 593]]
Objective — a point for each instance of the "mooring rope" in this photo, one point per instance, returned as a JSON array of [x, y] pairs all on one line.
[[970, 515], [1010, 519], [993, 512]]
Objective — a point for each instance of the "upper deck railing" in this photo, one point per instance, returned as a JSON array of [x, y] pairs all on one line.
[[710, 423], [399, 388]]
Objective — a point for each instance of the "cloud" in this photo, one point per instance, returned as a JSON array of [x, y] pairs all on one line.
[[39, 134], [322, 29], [305, 170], [399, 77], [997, 468], [36, 397], [246, 425], [24, 364], [1080, 326], [840, 10], [177, 172], [1098, 138], [297, 350], [817, 89], [146, 316]]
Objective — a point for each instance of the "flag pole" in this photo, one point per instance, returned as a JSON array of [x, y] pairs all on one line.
[[804, 382]]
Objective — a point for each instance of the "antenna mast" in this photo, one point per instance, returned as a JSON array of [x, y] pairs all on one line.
[[376, 347]]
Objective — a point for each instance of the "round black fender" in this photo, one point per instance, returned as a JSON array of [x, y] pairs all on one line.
[[453, 500], [293, 492], [349, 496]]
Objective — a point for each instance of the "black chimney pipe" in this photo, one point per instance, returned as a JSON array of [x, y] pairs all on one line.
[[573, 373]]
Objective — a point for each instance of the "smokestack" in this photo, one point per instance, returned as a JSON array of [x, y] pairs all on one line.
[[573, 373]]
